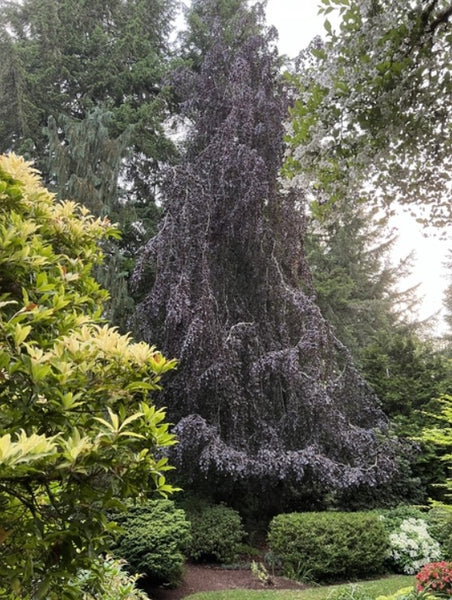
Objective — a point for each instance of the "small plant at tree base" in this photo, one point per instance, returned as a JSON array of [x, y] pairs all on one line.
[[435, 578], [260, 572], [412, 546], [352, 592]]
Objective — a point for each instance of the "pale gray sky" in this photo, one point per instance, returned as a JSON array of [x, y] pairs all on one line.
[[297, 22]]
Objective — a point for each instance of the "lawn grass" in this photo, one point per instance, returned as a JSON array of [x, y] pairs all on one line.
[[377, 587]]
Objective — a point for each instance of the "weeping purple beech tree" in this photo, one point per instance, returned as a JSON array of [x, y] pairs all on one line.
[[265, 395]]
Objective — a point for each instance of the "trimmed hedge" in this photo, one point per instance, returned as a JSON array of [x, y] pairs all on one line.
[[154, 539], [216, 534], [329, 545]]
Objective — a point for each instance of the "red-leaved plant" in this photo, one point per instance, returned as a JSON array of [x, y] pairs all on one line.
[[435, 578]]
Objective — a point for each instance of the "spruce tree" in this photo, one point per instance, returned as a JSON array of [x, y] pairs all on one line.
[[447, 299], [265, 397], [82, 93], [354, 277]]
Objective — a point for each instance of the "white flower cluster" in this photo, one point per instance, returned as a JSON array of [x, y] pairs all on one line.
[[412, 546]]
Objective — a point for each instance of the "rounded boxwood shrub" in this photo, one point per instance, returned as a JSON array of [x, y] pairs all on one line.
[[153, 540], [328, 545], [216, 534]]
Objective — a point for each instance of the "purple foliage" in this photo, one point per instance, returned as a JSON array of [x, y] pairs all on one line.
[[263, 389]]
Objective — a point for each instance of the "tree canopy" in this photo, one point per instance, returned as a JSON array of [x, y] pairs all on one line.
[[265, 395], [372, 117], [77, 430], [72, 62]]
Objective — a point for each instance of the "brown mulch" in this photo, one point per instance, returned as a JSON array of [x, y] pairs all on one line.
[[204, 578]]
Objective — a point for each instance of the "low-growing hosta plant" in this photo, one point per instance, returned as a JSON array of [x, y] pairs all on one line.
[[407, 593], [77, 429], [412, 546]]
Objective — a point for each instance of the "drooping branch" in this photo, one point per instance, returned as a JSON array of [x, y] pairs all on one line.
[[264, 392]]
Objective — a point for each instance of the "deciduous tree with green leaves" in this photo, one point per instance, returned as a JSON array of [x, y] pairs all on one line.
[[374, 105], [77, 430]]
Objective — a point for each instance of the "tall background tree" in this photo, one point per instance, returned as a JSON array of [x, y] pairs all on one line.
[[358, 286], [447, 300], [82, 93], [265, 396], [359, 290]]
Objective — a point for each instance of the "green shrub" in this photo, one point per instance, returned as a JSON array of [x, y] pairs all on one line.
[[412, 538], [216, 534], [440, 527], [329, 544], [78, 430], [154, 540], [412, 547], [393, 518], [107, 580]]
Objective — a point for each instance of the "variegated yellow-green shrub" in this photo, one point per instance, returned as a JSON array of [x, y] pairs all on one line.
[[77, 429]]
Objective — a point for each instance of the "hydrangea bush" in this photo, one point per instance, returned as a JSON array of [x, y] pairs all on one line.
[[411, 546]]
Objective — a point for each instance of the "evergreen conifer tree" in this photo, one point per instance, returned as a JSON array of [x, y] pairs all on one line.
[[82, 94], [355, 280]]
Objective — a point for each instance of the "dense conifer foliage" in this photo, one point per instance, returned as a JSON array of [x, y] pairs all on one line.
[[82, 94], [264, 392]]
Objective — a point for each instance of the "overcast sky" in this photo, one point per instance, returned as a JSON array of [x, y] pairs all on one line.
[[297, 22]]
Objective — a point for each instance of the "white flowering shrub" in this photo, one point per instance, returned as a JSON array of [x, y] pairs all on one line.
[[411, 546]]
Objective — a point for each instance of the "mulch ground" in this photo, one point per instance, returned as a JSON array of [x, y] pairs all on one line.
[[204, 578]]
